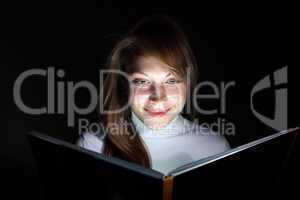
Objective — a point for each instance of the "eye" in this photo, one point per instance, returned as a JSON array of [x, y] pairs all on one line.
[[141, 82], [172, 81]]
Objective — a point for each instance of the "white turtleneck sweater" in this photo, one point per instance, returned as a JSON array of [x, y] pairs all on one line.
[[179, 143]]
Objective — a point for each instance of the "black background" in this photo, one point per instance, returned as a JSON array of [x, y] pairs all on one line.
[[241, 43]]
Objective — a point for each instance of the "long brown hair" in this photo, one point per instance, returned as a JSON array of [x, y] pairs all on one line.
[[159, 36]]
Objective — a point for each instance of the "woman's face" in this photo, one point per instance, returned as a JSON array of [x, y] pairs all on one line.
[[158, 95]]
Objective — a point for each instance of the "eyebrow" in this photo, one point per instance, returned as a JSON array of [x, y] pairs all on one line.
[[148, 76]]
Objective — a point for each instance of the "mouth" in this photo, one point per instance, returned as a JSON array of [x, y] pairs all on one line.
[[155, 113]]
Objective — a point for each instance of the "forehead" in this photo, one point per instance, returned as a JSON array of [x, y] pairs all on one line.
[[151, 66]]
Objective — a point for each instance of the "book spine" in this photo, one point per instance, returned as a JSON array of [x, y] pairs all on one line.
[[167, 187]]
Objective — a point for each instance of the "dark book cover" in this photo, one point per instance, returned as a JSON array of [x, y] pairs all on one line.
[[265, 166]]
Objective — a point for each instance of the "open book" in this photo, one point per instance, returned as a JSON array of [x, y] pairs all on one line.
[[67, 171]]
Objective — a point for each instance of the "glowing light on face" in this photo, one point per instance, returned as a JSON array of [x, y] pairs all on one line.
[[158, 94]]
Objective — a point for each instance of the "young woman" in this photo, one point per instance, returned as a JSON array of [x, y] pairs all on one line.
[[154, 127]]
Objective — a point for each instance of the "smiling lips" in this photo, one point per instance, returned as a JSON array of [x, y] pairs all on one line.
[[157, 113]]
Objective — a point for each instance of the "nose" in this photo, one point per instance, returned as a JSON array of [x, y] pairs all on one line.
[[158, 93]]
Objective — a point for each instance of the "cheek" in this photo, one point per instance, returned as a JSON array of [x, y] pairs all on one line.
[[172, 91], [177, 98], [176, 93], [142, 92], [140, 98]]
